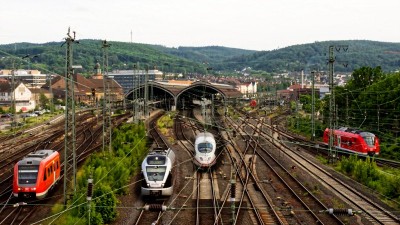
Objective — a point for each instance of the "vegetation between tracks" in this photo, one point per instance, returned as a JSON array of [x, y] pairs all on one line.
[[111, 172], [368, 173]]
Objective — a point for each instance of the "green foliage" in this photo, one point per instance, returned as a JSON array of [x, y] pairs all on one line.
[[366, 172], [294, 58], [185, 60], [111, 172], [301, 124], [44, 101], [121, 55]]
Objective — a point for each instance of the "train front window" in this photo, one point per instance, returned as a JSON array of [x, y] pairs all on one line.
[[155, 173], [27, 174], [369, 140], [205, 147]]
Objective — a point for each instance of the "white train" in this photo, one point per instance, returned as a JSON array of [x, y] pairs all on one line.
[[157, 176], [204, 147]]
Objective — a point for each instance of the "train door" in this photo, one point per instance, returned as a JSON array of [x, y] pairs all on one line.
[[338, 140], [54, 171]]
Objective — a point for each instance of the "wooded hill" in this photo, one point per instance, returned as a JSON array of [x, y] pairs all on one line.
[[122, 55]]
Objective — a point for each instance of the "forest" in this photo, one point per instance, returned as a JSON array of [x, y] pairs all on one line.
[[50, 57]]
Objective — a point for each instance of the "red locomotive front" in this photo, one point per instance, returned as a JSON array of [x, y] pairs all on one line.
[[36, 173]]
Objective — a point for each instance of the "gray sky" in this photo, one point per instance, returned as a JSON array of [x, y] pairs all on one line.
[[247, 24]]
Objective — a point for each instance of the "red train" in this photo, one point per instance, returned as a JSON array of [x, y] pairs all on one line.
[[354, 141], [36, 174]]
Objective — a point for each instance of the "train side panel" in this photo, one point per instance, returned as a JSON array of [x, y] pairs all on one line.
[[354, 142]]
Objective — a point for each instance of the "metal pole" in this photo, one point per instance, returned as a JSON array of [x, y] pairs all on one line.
[[105, 46], [312, 106], [331, 61], [146, 93], [109, 114], [69, 139]]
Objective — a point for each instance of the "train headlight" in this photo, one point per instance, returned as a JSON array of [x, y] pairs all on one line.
[[162, 185], [33, 189], [148, 185], [19, 189]]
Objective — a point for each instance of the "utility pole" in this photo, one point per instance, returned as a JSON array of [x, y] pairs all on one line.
[[146, 93], [332, 104], [105, 46], [51, 95], [331, 61], [110, 79], [70, 138], [133, 93], [347, 108], [312, 106]]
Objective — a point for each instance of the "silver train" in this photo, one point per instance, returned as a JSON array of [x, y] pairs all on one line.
[[204, 147], [157, 176]]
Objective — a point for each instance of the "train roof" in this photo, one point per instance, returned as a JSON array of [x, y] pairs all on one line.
[[204, 135], [34, 158], [158, 155], [354, 131]]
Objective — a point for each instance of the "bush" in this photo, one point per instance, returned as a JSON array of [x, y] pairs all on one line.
[[110, 171]]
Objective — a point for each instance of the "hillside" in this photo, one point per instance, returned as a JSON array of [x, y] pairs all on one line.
[[51, 57], [314, 56], [208, 54], [122, 55]]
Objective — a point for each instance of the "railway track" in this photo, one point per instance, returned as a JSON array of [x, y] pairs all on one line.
[[292, 193], [372, 211]]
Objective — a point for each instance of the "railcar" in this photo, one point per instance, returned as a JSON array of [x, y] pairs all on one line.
[[354, 141], [157, 173], [36, 174], [204, 147]]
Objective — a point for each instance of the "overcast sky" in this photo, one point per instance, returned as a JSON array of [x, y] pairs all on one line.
[[246, 24]]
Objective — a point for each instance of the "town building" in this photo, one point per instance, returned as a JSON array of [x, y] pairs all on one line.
[[19, 94], [129, 79], [31, 78]]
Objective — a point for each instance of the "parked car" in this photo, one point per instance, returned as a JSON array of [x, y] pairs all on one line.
[[38, 113]]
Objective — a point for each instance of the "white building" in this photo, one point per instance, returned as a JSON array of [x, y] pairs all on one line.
[[21, 95], [249, 88], [32, 78]]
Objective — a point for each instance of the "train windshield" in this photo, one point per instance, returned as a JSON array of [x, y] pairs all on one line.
[[156, 173], [368, 138], [205, 147], [27, 174]]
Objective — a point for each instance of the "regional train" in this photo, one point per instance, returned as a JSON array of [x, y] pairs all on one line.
[[36, 174], [354, 141], [157, 173], [204, 147]]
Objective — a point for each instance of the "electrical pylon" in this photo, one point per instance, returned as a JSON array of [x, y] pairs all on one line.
[[106, 118], [70, 134]]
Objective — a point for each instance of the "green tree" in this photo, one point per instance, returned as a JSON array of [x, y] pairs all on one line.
[[364, 76], [43, 101]]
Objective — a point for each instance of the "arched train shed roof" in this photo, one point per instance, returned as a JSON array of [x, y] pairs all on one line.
[[177, 88]]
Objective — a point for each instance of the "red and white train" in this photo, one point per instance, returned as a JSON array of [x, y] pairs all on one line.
[[354, 141], [36, 174]]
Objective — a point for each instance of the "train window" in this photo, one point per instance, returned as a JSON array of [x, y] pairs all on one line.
[[48, 171], [155, 173], [45, 175], [27, 174], [205, 147], [369, 140]]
